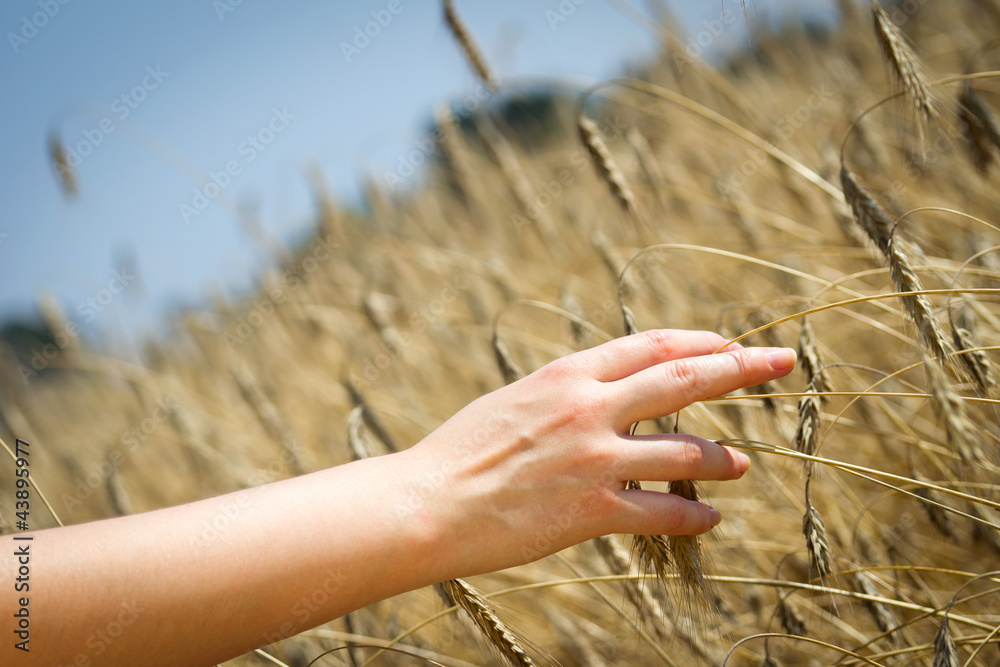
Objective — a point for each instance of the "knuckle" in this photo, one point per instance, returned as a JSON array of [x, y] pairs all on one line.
[[598, 502], [584, 400], [692, 455], [744, 362], [674, 517], [661, 340], [596, 455], [558, 371], [684, 376]]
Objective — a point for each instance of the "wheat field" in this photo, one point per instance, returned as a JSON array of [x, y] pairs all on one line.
[[831, 190]]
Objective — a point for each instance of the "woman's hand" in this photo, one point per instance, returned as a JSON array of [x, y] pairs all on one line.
[[541, 464], [521, 473]]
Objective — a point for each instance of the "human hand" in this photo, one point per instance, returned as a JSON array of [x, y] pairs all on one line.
[[541, 464]]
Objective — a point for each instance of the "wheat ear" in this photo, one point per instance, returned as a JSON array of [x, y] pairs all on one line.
[[974, 359], [945, 651], [980, 128], [950, 409], [464, 38], [607, 168], [873, 220], [817, 539], [790, 618], [903, 62], [458, 593], [65, 173], [687, 554], [508, 367], [810, 405], [652, 551]]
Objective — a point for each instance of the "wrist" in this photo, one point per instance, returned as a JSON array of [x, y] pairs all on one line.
[[421, 516]]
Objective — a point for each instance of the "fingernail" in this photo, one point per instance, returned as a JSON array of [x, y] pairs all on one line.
[[781, 358], [716, 518], [744, 462]]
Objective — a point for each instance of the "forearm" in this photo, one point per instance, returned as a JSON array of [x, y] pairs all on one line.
[[535, 467], [203, 582]]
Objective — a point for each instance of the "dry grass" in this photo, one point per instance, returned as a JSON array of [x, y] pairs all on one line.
[[389, 321]]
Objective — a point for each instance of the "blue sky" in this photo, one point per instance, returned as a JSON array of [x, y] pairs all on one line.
[[152, 96]]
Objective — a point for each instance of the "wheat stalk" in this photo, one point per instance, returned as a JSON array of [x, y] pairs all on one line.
[[355, 437], [574, 640], [903, 62], [500, 637], [607, 168], [464, 38], [686, 552], [517, 179], [509, 369], [939, 518], [790, 618], [868, 213], [370, 418], [619, 562], [918, 306], [628, 320], [945, 651], [950, 409], [648, 163], [817, 539], [810, 405], [975, 360], [118, 496], [873, 220], [807, 433], [980, 128], [455, 152], [884, 619], [65, 173], [268, 416], [653, 551]]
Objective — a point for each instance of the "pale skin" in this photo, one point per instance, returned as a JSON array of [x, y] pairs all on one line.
[[519, 474]]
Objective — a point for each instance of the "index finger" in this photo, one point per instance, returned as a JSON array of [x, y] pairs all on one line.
[[666, 388], [627, 355]]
